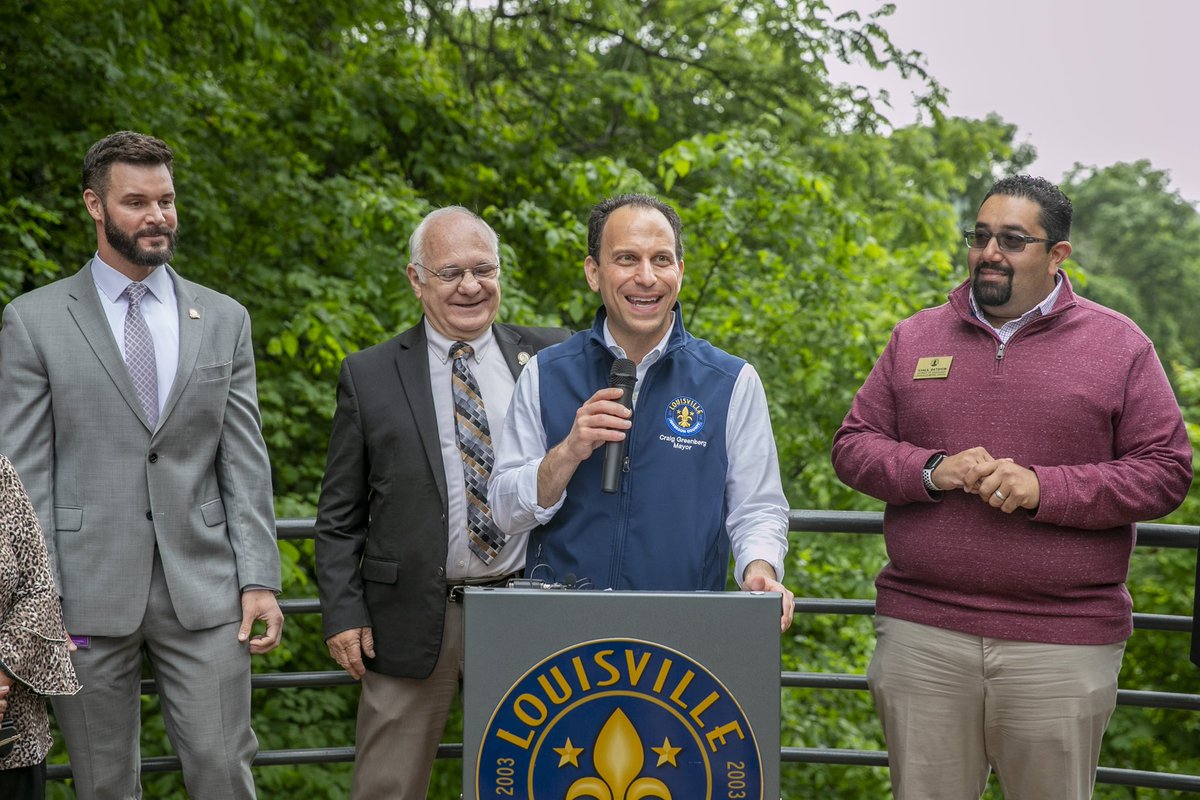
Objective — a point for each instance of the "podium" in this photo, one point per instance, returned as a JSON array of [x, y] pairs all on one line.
[[605, 695]]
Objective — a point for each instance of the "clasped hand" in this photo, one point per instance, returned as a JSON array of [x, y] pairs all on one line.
[[999, 482]]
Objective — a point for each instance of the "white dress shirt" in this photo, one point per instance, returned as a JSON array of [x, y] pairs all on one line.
[[757, 521], [160, 308], [496, 385]]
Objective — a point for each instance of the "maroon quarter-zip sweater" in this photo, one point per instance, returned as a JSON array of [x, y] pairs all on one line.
[[1079, 397]]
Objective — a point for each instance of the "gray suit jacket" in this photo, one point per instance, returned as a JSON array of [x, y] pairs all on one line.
[[108, 489]]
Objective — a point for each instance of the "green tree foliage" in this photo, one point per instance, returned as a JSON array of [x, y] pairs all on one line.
[[1139, 242], [310, 138]]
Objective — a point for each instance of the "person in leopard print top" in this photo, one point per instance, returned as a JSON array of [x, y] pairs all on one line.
[[34, 651]]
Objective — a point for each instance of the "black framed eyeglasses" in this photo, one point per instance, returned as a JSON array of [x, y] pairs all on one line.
[[453, 274], [1007, 241]]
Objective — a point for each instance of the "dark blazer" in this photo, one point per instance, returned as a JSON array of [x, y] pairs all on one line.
[[381, 535]]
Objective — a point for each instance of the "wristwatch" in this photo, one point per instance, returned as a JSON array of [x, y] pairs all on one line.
[[927, 473]]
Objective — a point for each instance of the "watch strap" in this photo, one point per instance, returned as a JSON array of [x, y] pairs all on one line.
[[927, 472]]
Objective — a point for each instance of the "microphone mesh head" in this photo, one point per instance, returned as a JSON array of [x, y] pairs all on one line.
[[623, 373]]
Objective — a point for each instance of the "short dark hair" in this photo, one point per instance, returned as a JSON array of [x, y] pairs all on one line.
[[602, 210], [122, 147], [1056, 211]]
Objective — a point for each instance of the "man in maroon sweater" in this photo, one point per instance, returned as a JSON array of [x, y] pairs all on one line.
[[1016, 434]]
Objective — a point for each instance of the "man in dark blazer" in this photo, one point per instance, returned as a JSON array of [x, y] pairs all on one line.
[[128, 406], [402, 525]]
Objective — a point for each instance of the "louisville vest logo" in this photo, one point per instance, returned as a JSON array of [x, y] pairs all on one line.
[[685, 416], [613, 719]]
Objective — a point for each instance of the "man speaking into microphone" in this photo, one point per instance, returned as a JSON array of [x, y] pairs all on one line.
[[698, 479]]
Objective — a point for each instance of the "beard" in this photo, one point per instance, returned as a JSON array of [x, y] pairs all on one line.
[[129, 248], [992, 293]]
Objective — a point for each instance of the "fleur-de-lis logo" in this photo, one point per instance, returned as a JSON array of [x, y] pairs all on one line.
[[684, 416], [619, 758]]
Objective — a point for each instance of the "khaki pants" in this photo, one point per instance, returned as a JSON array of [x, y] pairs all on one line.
[[954, 706], [400, 722]]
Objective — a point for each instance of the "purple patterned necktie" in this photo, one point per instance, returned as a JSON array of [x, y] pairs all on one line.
[[139, 353], [475, 447]]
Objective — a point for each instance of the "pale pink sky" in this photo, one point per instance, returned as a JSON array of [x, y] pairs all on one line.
[[1090, 81]]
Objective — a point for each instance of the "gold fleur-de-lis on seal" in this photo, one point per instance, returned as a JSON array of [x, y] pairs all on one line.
[[619, 759]]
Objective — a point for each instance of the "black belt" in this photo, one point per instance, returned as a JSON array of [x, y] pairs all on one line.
[[454, 591]]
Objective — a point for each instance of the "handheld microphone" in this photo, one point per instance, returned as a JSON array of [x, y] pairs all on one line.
[[623, 375]]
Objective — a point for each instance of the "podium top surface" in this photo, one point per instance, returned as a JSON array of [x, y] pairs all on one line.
[[744, 625], [556, 591]]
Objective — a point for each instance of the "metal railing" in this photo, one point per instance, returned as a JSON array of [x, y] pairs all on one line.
[[807, 521]]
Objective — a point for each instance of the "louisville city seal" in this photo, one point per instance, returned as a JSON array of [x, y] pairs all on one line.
[[619, 719]]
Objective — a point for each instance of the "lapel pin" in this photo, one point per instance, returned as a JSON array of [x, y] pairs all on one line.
[[522, 358], [193, 313]]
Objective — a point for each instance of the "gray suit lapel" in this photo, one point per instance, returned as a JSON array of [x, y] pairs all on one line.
[[412, 364], [192, 321], [88, 314]]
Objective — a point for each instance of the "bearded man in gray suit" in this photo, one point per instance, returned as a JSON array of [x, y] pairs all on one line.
[[128, 405]]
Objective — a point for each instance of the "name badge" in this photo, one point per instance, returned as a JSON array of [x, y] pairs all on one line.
[[933, 367], [82, 642]]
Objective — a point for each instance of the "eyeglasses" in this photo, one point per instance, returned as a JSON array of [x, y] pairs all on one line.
[[1007, 241], [453, 274]]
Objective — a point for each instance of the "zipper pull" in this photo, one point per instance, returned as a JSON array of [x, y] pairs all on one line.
[[1000, 352], [625, 465]]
